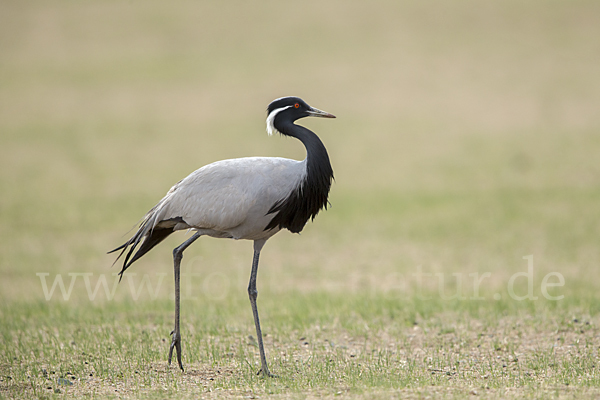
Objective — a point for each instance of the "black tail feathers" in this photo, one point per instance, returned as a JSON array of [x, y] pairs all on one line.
[[151, 239]]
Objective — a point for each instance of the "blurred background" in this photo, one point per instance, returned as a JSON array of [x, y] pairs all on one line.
[[467, 136]]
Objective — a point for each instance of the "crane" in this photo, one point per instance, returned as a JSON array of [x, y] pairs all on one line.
[[249, 198]]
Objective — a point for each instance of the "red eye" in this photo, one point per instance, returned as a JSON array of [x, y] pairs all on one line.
[[297, 105]]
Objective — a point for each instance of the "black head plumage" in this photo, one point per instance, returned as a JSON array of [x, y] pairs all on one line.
[[287, 102], [286, 110]]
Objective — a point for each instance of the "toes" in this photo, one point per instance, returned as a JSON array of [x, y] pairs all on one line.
[[268, 374], [176, 344]]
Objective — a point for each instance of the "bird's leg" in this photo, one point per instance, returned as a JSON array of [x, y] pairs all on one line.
[[253, 294], [176, 334]]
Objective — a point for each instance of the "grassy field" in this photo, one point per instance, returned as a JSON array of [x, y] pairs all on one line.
[[459, 258]]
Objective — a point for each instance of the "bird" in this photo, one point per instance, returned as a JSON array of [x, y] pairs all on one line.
[[250, 198]]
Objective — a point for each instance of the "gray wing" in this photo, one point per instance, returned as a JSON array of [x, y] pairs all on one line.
[[225, 194], [229, 198]]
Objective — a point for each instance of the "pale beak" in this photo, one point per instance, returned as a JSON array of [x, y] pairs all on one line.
[[315, 112]]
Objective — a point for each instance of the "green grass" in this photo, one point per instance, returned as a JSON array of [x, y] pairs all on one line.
[[372, 344], [466, 139]]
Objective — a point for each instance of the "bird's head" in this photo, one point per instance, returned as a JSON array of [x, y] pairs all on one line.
[[289, 109]]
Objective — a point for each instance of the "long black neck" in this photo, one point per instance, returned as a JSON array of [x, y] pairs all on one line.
[[310, 196]]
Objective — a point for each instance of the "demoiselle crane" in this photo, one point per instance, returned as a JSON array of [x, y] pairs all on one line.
[[244, 198]]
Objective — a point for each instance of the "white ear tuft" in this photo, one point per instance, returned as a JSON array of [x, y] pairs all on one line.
[[271, 119]]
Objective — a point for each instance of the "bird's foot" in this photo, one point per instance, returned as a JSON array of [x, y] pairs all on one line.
[[176, 343], [266, 373]]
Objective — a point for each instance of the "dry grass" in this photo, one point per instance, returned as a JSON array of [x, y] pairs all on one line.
[[370, 348]]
